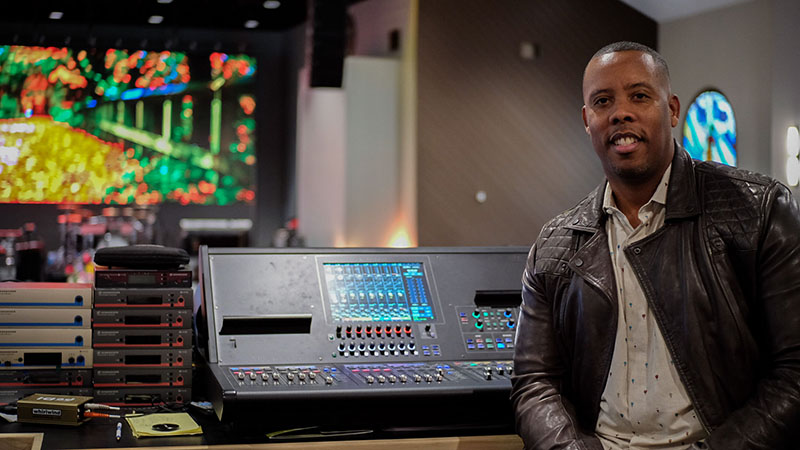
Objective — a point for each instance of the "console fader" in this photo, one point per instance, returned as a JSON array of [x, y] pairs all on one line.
[[385, 338]]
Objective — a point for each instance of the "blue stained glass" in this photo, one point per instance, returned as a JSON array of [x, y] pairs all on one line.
[[709, 130]]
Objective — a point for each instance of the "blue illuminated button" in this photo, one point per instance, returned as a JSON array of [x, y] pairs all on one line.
[[471, 346], [501, 346]]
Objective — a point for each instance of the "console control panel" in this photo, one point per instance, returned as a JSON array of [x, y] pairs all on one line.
[[358, 326]]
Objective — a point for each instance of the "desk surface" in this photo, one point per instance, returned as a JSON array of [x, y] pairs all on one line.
[[501, 442], [99, 434]]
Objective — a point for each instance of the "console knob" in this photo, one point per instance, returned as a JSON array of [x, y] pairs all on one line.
[[507, 312], [381, 379], [341, 347], [369, 328], [275, 376], [403, 378], [371, 346], [382, 346], [391, 346], [370, 379], [329, 380], [264, 376], [487, 375], [312, 376], [378, 329], [252, 375], [358, 329], [440, 371], [407, 329], [362, 346], [398, 329], [351, 346], [428, 377], [479, 324], [510, 323], [411, 345], [349, 329], [338, 331], [240, 375], [388, 331], [428, 328], [290, 376], [417, 378], [301, 376], [439, 377], [401, 346], [392, 378], [509, 369], [476, 313], [500, 370]]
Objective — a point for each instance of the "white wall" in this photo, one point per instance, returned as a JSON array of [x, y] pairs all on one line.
[[728, 49], [785, 79]]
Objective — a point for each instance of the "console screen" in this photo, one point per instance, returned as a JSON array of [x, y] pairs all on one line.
[[378, 292]]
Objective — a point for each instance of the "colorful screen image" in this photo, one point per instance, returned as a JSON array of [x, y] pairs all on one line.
[[378, 292], [709, 130], [115, 126]]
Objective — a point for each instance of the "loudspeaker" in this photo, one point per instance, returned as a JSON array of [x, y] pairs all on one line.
[[328, 46]]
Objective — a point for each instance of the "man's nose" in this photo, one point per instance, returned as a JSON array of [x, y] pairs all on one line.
[[622, 113]]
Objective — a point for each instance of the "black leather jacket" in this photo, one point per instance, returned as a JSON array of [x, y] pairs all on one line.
[[722, 278]]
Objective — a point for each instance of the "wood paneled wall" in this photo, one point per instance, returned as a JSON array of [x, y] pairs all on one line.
[[490, 120]]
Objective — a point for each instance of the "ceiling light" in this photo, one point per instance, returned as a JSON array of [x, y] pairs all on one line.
[[272, 4], [155, 19], [164, 1], [55, 15], [251, 24]]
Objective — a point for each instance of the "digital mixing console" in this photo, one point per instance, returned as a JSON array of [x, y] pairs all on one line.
[[377, 338]]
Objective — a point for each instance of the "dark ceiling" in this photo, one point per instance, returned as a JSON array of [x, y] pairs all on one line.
[[187, 24], [209, 14]]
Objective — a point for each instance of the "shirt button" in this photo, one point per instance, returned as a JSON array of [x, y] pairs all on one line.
[[637, 250], [578, 262]]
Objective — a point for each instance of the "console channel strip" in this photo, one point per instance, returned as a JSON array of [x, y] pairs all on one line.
[[387, 338]]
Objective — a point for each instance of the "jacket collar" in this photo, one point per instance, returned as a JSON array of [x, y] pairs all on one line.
[[681, 196]]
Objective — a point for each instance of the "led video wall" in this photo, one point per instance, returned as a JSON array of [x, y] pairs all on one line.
[[115, 126]]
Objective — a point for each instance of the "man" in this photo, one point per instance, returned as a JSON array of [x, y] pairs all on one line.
[[663, 311]]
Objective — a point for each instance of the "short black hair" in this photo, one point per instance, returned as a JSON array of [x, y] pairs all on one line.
[[626, 46]]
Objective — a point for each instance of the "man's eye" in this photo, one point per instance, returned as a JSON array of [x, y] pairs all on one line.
[[640, 96], [601, 101]]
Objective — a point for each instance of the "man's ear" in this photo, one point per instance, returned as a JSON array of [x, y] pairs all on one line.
[[674, 109], [585, 123]]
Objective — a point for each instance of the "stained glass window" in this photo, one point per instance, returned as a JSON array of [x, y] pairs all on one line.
[[709, 129]]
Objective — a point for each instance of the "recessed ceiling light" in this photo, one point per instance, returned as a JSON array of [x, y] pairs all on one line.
[[272, 4], [251, 24], [155, 19], [55, 15], [165, 1]]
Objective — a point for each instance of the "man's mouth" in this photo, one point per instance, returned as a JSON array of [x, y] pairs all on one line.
[[625, 142]]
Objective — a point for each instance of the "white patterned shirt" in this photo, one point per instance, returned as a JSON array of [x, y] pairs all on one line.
[[644, 404]]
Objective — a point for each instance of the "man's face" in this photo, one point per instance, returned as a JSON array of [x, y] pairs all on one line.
[[628, 113]]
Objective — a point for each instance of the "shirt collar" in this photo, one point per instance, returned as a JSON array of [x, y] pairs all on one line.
[[659, 196]]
